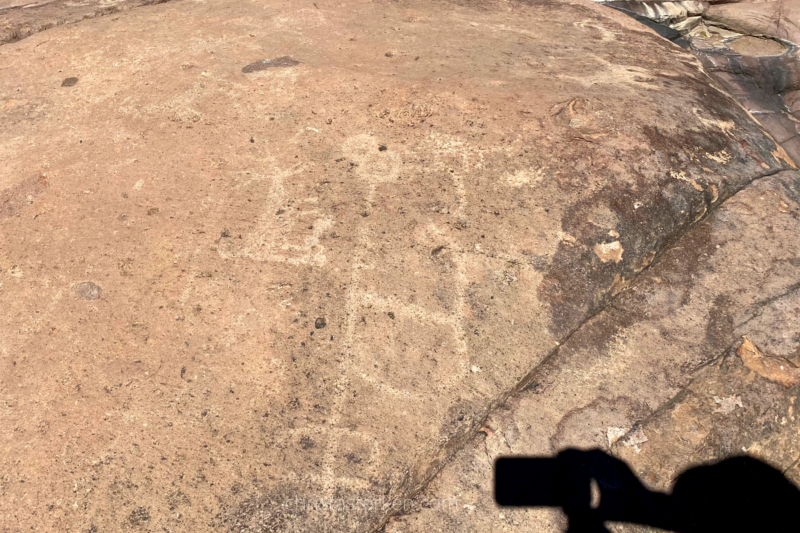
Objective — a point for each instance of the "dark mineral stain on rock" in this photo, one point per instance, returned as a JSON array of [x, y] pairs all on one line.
[[264, 64], [15, 199], [69, 82], [139, 516], [87, 291]]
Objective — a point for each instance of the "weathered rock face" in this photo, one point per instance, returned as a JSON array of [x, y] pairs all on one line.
[[775, 19], [229, 282], [755, 64], [662, 12], [663, 379], [757, 71], [775, 73], [21, 18]]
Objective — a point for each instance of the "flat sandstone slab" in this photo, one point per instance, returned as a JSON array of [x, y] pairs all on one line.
[[224, 286]]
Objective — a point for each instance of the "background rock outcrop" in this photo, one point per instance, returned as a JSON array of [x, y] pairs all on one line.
[[774, 19]]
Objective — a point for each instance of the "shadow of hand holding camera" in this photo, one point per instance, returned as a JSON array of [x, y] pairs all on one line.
[[736, 494]]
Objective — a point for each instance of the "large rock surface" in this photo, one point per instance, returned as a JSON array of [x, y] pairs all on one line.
[[698, 361], [227, 283]]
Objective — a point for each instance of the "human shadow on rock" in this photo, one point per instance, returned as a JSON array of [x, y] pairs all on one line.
[[739, 494]]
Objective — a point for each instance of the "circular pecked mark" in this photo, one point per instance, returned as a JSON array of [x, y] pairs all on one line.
[[320, 323]]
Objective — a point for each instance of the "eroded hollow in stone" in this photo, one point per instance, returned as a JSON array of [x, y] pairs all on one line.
[[757, 46]]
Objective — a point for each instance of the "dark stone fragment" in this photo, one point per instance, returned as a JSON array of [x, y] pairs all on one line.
[[264, 64], [87, 291]]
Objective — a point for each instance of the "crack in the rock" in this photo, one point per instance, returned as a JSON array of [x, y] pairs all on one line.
[[500, 400], [795, 463], [759, 306], [678, 397], [723, 353]]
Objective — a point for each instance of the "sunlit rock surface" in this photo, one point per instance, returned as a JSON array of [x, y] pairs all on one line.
[[261, 253]]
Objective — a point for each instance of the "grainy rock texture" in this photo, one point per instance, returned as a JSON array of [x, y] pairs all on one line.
[[227, 282], [661, 378]]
